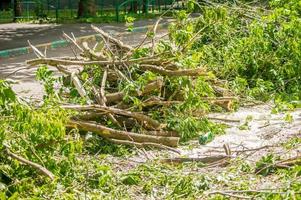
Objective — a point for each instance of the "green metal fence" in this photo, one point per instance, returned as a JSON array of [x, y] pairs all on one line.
[[67, 9]]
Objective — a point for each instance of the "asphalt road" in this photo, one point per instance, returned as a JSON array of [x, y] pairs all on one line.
[[15, 35]]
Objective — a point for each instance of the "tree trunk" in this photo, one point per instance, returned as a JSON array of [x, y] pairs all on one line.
[[144, 6], [86, 8], [4, 5], [134, 7], [17, 9]]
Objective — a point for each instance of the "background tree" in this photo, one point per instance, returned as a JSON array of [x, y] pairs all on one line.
[[4, 5], [134, 6], [87, 8], [17, 9]]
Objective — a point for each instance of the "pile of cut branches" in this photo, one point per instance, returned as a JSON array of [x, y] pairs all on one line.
[[134, 95]]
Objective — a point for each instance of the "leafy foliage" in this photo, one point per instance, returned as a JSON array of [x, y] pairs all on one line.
[[257, 56], [40, 135]]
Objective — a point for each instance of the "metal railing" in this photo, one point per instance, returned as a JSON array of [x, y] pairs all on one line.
[[67, 9]]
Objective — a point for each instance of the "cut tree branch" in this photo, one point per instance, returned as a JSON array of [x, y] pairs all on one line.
[[55, 62], [144, 119], [91, 53], [73, 40], [150, 87], [205, 160], [123, 135], [162, 133], [36, 166], [113, 40]]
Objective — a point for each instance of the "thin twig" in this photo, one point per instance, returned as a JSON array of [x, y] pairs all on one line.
[[145, 144], [38, 53], [229, 194], [185, 72], [73, 40], [154, 35], [112, 39]]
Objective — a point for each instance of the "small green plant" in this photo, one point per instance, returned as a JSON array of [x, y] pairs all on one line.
[[191, 127], [292, 143], [245, 125], [265, 165], [46, 76], [129, 22], [131, 179], [288, 118]]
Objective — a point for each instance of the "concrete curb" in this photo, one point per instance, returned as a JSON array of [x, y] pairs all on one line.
[[64, 43]]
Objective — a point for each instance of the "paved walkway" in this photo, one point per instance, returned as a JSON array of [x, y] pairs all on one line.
[[15, 35]]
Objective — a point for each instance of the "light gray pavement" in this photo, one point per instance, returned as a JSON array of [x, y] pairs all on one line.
[[15, 35], [23, 76]]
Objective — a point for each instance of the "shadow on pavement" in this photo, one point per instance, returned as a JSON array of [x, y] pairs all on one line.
[[16, 35]]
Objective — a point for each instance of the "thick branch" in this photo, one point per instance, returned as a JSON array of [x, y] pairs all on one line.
[[72, 61], [103, 85], [79, 87], [162, 133], [55, 62], [144, 119], [123, 135], [101, 99], [158, 102], [154, 32]]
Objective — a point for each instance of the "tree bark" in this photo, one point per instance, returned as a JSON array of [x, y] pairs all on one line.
[[86, 8], [123, 135], [5, 5], [134, 7], [17, 9], [144, 119], [144, 6]]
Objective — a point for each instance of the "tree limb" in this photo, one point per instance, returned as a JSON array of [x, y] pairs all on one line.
[[112, 39], [36, 166], [92, 54], [123, 135], [205, 160], [73, 40], [144, 119]]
